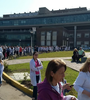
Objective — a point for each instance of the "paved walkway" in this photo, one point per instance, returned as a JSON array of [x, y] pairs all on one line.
[[8, 92]]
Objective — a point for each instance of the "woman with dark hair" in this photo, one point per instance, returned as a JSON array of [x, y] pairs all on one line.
[[50, 88], [35, 67], [82, 83], [75, 55]]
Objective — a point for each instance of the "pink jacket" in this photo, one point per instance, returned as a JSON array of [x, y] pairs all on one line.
[[47, 92]]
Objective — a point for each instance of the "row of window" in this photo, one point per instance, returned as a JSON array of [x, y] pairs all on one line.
[[47, 37], [47, 20], [48, 43], [15, 30], [80, 42], [86, 35], [15, 36]]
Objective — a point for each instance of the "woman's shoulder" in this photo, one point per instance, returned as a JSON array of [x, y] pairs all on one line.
[[32, 60], [82, 73]]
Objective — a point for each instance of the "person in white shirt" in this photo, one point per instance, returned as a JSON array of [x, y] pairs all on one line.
[[35, 75], [1, 50], [82, 83]]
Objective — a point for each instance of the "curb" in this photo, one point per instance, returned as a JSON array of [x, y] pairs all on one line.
[[17, 85]]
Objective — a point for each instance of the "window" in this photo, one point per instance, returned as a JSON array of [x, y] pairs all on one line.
[[54, 43], [48, 43], [42, 43], [86, 35], [42, 35], [48, 36], [79, 35], [71, 43], [42, 38], [54, 35], [78, 42], [23, 21], [16, 22], [5, 22], [86, 43], [65, 34], [54, 38]]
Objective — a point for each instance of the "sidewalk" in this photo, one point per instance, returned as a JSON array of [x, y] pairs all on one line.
[[8, 92]]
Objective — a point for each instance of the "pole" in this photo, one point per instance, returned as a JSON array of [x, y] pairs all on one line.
[[75, 28], [31, 45]]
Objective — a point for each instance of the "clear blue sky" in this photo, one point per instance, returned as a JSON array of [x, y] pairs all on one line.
[[20, 6]]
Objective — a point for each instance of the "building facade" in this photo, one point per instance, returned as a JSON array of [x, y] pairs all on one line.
[[68, 27]]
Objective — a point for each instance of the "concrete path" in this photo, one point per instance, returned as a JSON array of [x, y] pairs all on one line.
[[8, 92], [19, 61]]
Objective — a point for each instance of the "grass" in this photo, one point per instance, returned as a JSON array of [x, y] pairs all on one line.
[[51, 54], [19, 67], [70, 75]]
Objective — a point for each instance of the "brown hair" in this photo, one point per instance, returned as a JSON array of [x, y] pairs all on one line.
[[54, 65], [85, 67]]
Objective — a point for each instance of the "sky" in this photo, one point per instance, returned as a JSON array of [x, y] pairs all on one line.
[[21, 6]]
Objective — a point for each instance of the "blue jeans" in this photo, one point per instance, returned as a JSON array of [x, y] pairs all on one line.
[[0, 80]]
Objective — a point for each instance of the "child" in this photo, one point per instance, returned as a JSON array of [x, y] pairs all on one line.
[[1, 69]]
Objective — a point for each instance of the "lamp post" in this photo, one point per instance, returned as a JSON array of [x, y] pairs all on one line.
[[19, 42], [67, 41], [32, 32]]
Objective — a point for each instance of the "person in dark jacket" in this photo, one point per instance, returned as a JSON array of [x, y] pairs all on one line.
[[50, 88], [8, 52], [75, 55]]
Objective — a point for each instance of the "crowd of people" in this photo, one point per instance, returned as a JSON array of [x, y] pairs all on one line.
[[19, 51]]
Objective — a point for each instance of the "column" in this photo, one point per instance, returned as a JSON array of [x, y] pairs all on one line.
[[75, 28]]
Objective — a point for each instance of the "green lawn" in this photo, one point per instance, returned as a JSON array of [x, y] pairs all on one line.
[[70, 75], [51, 54]]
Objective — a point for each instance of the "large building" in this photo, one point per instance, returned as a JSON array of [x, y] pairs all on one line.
[[69, 27]]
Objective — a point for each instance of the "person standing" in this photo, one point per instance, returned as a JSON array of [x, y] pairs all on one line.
[[1, 68], [8, 52], [50, 88], [35, 67], [1, 50], [20, 51], [82, 83]]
